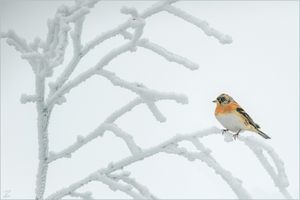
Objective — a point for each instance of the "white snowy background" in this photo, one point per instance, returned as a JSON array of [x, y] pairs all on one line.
[[260, 69]]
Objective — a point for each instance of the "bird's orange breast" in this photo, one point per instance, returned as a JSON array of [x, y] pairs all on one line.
[[227, 108]]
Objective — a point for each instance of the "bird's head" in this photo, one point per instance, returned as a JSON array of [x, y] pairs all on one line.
[[223, 99]]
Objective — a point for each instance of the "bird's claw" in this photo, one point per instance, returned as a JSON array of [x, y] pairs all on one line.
[[235, 136], [224, 131]]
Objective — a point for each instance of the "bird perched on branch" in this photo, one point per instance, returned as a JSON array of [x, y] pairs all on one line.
[[234, 118]]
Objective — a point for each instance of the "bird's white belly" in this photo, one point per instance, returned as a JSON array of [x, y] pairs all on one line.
[[231, 122]]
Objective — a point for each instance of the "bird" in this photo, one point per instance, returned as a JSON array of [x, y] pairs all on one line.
[[234, 118]]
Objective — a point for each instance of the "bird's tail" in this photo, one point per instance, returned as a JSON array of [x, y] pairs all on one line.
[[262, 134]]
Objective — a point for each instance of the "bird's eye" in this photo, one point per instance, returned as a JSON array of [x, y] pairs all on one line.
[[222, 99]]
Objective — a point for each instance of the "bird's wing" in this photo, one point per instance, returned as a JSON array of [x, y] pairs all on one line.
[[247, 117]]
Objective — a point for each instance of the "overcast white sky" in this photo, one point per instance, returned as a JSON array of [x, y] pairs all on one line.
[[260, 69]]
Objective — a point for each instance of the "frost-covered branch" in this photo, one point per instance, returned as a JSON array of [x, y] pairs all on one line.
[[172, 57], [149, 96], [137, 22], [171, 146], [58, 29], [42, 125], [79, 51], [28, 51], [16, 41], [106, 125], [28, 98], [280, 178], [92, 71], [45, 55], [141, 89], [128, 139], [54, 45], [125, 177], [205, 156], [203, 25], [234, 183], [156, 8], [83, 196], [112, 167], [258, 148], [77, 55], [88, 73], [115, 185], [95, 133]]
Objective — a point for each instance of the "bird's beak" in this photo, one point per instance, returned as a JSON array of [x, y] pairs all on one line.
[[214, 101]]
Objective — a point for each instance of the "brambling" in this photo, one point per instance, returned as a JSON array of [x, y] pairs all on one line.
[[234, 118]]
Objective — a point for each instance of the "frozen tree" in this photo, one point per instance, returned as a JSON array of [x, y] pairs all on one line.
[[44, 55]]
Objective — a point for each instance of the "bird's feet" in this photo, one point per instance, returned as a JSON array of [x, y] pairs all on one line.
[[236, 135], [224, 131]]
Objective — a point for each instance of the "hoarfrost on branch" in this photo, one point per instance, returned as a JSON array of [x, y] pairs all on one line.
[[45, 55]]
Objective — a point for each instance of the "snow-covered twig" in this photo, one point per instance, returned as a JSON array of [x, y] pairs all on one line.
[[28, 98], [234, 183], [80, 141], [66, 153], [172, 57], [138, 24], [95, 133], [114, 186], [258, 148], [132, 146], [141, 89], [103, 36], [124, 176], [57, 39], [57, 46], [155, 111], [120, 30], [170, 146], [83, 3], [16, 41], [205, 156], [88, 73], [156, 8], [92, 71], [80, 51], [280, 178], [112, 167], [76, 36], [203, 25], [77, 49], [77, 15], [149, 96], [83, 196]]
